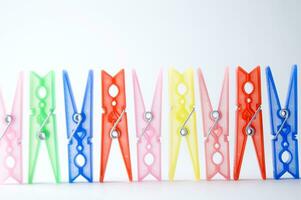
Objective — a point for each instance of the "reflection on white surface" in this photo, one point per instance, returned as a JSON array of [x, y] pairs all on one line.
[[253, 190]]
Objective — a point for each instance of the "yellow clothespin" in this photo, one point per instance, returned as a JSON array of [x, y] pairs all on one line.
[[182, 119]]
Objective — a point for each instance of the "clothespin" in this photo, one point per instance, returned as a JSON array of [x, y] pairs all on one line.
[[79, 131], [148, 131], [43, 122], [249, 118], [284, 127], [182, 119], [114, 120], [11, 137], [216, 129]]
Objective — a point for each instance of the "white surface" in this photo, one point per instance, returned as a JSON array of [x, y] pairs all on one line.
[[148, 35], [217, 190]]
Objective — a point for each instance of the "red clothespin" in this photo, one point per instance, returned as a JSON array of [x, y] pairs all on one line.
[[249, 118], [114, 120]]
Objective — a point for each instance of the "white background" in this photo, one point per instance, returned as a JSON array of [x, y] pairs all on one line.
[[148, 35]]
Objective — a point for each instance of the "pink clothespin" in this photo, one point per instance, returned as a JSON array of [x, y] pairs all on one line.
[[148, 131], [216, 130], [11, 137]]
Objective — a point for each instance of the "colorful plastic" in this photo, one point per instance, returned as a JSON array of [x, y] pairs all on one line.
[[114, 120], [249, 113], [148, 131], [284, 127], [43, 122], [182, 118], [11, 137], [79, 131], [216, 130]]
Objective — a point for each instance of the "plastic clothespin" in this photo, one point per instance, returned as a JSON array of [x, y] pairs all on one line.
[[182, 119], [284, 127], [114, 120], [43, 122], [79, 131], [216, 129], [249, 118], [11, 137], [148, 131]]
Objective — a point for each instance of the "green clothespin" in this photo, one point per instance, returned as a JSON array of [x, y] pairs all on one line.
[[43, 122]]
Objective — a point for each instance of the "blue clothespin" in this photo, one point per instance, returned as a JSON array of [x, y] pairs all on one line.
[[284, 125], [79, 131]]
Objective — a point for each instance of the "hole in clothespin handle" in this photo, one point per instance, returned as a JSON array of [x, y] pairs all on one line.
[[286, 157], [113, 90], [80, 160], [42, 92], [248, 87], [10, 162], [149, 159], [182, 89], [217, 158]]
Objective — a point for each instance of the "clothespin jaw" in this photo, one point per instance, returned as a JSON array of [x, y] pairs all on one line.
[[148, 130], [249, 118], [114, 120], [79, 130], [284, 127], [216, 129], [11, 137], [182, 119], [43, 122]]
